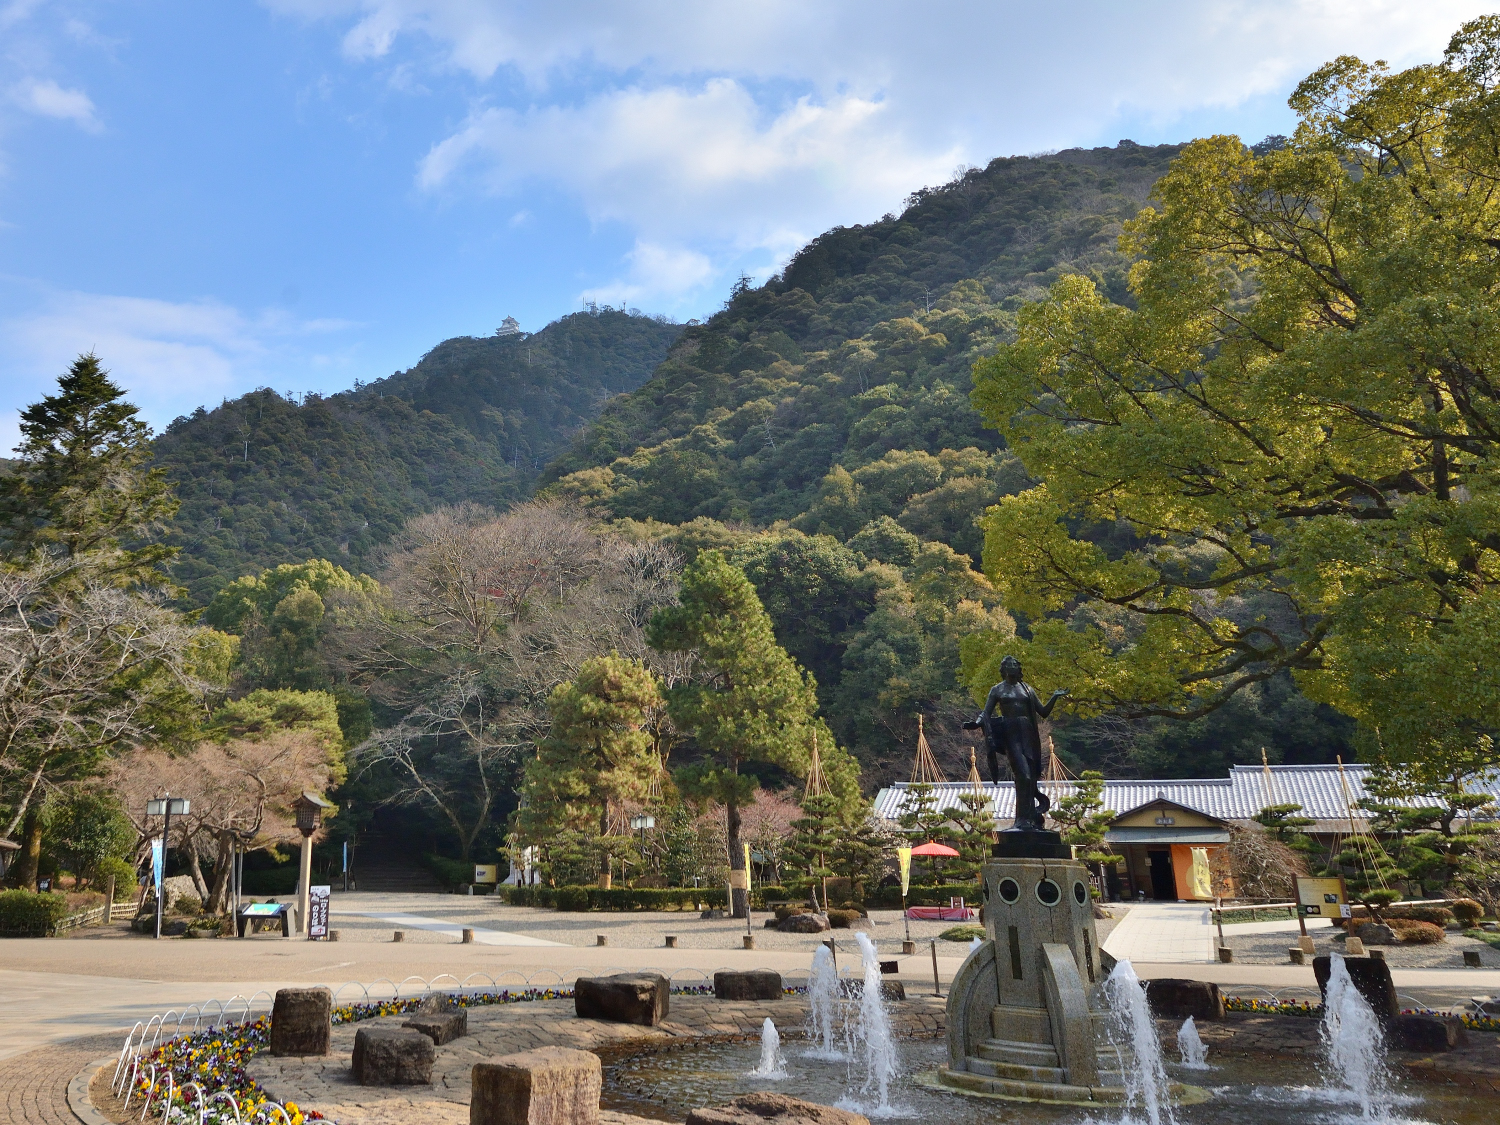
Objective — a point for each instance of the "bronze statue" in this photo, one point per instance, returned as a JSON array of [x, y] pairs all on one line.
[[1009, 723]]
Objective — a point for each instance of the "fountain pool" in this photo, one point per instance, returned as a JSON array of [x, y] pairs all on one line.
[[666, 1084]]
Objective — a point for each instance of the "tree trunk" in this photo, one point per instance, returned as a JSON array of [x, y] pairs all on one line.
[[223, 867], [195, 872], [740, 906], [23, 872]]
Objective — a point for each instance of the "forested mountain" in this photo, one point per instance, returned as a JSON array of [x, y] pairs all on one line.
[[833, 403], [265, 479]]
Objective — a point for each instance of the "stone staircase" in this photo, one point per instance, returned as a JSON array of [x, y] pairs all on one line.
[[383, 864]]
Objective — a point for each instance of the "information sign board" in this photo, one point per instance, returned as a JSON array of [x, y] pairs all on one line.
[[1322, 898], [317, 910]]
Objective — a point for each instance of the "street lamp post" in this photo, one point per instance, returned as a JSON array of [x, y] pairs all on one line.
[[164, 807], [643, 821], [309, 809]]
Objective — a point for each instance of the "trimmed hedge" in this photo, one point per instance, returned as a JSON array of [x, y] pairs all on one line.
[[616, 898], [23, 912], [124, 873], [1468, 912], [889, 898], [1416, 933], [1433, 915], [450, 872]]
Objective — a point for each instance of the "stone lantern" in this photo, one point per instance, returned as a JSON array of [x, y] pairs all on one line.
[[309, 810]]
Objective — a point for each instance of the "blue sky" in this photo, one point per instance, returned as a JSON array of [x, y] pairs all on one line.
[[299, 193]]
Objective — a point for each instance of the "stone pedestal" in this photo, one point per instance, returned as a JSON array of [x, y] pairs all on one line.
[[545, 1086], [641, 998], [1372, 978], [301, 1021], [392, 1056], [758, 984], [1023, 1007], [1172, 998]]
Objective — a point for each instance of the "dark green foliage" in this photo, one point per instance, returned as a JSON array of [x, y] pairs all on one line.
[[86, 827], [28, 913], [266, 480], [616, 898]]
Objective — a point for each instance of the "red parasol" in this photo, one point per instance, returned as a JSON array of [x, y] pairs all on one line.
[[932, 847]]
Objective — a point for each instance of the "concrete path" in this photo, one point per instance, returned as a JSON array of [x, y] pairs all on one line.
[[1163, 933], [1287, 925], [482, 935]]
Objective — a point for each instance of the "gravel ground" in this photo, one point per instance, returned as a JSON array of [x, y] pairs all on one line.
[[1270, 949], [630, 930]]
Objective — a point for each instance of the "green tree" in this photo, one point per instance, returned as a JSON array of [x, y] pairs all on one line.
[[1435, 846], [1294, 424], [1085, 820], [751, 704], [815, 837], [1285, 824], [87, 826], [81, 485], [974, 827], [599, 752], [923, 820]]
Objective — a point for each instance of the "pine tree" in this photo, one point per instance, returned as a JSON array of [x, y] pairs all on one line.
[[815, 836], [753, 704], [922, 819], [975, 832], [1286, 826], [81, 486], [859, 855], [1085, 820], [597, 752]]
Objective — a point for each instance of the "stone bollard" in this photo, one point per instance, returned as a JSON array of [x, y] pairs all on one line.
[[1377, 955], [1471, 959], [398, 936], [600, 939], [1354, 947], [544, 1086], [392, 1056], [301, 1021], [333, 935], [468, 938], [749, 940], [1296, 956], [1305, 943], [671, 941], [1226, 955], [908, 948]]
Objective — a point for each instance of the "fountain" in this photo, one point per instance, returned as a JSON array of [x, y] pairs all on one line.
[[771, 1064], [1191, 1047], [1132, 1031], [1355, 1044], [874, 1029], [822, 1003]]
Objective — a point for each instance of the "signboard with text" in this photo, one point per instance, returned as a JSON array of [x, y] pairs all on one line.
[[486, 873], [317, 911], [1322, 898]]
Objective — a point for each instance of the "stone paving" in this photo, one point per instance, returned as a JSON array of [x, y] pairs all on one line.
[[34, 1086]]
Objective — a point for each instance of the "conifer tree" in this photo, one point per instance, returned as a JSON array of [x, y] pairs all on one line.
[[752, 703], [598, 752], [81, 484], [923, 820], [1285, 824]]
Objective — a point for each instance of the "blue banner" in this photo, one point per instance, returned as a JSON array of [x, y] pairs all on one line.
[[156, 863]]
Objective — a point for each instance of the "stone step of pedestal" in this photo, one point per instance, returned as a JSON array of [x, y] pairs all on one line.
[[1042, 1091], [1022, 1054], [1016, 1071]]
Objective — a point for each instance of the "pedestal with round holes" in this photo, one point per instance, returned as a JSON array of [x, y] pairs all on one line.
[[1023, 1008]]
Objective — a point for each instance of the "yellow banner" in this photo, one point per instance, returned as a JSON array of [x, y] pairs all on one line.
[[903, 857], [747, 869]]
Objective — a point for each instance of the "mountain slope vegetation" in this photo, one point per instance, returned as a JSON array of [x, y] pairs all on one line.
[[267, 480]]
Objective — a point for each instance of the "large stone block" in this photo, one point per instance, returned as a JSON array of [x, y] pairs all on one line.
[[760, 1108], [1373, 933], [1427, 1033], [301, 1021], [1371, 977], [1175, 999], [545, 1086], [441, 1027], [642, 998], [392, 1056], [758, 984]]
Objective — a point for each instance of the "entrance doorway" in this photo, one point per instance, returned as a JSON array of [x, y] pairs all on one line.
[[1163, 882]]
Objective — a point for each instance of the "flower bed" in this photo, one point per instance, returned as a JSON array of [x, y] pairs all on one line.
[[1473, 1021], [216, 1060]]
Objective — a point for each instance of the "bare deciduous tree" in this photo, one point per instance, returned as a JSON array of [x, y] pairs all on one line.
[[483, 616]]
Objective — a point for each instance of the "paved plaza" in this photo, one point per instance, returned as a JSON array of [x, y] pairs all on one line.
[[66, 1001]]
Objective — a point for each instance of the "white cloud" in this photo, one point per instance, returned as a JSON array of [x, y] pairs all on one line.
[[655, 273], [170, 356], [47, 99]]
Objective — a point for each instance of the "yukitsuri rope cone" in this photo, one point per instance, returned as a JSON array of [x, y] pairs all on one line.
[[924, 769]]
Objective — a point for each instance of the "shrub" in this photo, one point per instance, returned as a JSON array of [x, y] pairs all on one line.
[[785, 912], [1468, 912], [188, 903], [768, 892], [450, 872], [572, 898], [124, 873], [23, 912], [889, 897], [1416, 933], [842, 919], [966, 931], [1436, 915]]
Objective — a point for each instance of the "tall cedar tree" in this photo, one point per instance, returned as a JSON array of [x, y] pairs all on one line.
[[752, 703], [81, 484], [598, 752]]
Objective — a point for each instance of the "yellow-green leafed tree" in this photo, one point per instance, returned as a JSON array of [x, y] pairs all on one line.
[[1286, 455], [601, 749]]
